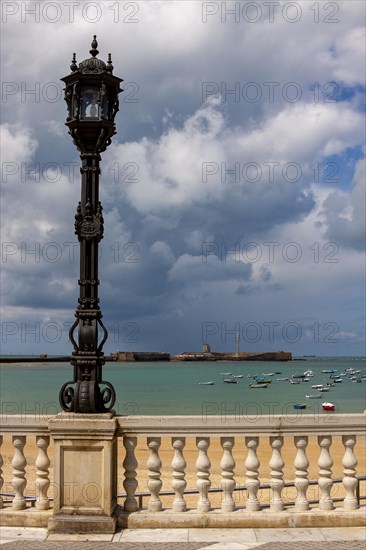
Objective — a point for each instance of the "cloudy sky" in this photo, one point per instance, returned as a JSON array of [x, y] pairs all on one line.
[[233, 192]]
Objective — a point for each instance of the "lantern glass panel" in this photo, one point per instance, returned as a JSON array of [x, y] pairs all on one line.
[[90, 103]]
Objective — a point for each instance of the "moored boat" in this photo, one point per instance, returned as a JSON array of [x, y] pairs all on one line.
[[313, 396], [300, 406], [230, 381], [282, 379], [258, 385], [328, 406], [210, 383]]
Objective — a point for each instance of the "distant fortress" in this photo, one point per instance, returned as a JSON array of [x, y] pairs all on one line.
[[205, 355]]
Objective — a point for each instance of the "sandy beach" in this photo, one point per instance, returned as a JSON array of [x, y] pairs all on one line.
[[215, 455]]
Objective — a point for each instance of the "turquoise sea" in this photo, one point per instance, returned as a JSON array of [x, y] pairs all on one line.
[[171, 388]]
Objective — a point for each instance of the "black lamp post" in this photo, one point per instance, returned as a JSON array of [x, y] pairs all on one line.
[[91, 94]]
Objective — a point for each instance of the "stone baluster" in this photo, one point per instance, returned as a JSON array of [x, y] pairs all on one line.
[[325, 482], [349, 481], [19, 463], [301, 473], [227, 474], [154, 483], [42, 474], [252, 482], [276, 464], [203, 466], [1, 472], [179, 466], [130, 482]]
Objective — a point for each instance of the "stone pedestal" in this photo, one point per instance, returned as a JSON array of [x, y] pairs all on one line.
[[85, 473]]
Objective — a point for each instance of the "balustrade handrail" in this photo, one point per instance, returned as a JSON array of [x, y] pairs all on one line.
[[206, 425], [231, 425]]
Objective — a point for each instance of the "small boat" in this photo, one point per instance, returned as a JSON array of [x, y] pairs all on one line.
[[298, 406], [226, 373], [211, 383], [313, 396], [326, 388], [282, 379], [268, 374], [230, 381], [298, 376], [317, 386], [328, 371], [258, 385], [337, 380], [294, 382], [328, 406], [237, 376], [263, 381], [278, 372], [309, 373], [334, 376]]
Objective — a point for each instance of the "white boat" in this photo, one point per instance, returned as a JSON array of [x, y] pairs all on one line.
[[282, 379], [324, 389], [237, 376], [317, 386], [313, 396], [230, 381], [226, 373], [211, 383]]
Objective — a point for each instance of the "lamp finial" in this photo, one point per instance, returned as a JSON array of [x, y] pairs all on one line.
[[94, 46]]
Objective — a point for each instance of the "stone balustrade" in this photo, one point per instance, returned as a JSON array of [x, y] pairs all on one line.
[[239, 465]]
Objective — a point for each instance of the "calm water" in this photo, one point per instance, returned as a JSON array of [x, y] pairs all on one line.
[[171, 388]]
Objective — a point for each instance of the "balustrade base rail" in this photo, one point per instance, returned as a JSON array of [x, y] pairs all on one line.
[[241, 518]]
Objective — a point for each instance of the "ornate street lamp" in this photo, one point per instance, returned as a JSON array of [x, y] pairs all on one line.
[[91, 94]]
